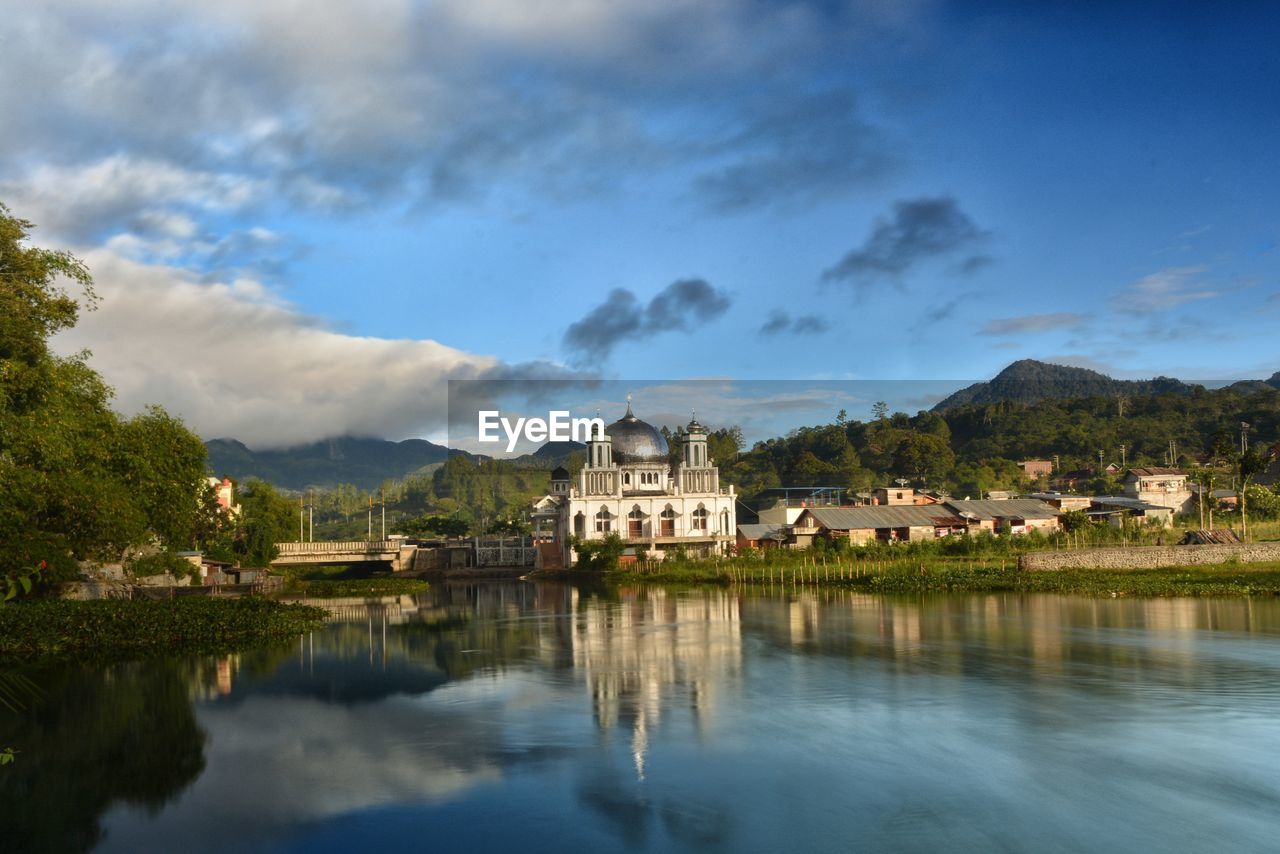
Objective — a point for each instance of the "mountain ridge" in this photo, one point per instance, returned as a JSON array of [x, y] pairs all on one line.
[[1030, 380]]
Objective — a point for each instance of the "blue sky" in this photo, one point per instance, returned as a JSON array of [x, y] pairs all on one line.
[[304, 220]]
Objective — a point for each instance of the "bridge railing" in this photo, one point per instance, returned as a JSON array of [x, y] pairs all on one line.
[[339, 548]]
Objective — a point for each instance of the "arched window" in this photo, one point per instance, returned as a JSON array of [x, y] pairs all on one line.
[[635, 523], [700, 518], [724, 522], [580, 525], [667, 519], [603, 525], [626, 478]]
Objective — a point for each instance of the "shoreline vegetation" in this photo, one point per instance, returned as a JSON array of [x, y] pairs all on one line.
[[934, 574], [103, 629]]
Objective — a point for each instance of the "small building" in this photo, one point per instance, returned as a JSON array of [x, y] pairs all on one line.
[[761, 537], [224, 492], [1009, 515], [897, 523], [1122, 509], [1163, 487], [893, 496], [1062, 501], [1036, 468], [782, 505]]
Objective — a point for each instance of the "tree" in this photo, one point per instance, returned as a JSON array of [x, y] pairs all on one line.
[[1249, 464], [266, 518], [922, 455], [75, 482]]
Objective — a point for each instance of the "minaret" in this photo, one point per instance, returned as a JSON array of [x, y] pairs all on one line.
[[697, 473], [599, 476]]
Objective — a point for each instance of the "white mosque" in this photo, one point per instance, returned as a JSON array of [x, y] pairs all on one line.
[[627, 487]]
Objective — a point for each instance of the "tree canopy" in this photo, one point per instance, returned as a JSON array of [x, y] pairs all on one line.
[[77, 481]]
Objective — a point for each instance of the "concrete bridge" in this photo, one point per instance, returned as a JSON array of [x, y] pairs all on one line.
[[393, 552]]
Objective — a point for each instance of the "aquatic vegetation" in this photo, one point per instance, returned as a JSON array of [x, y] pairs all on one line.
[[954, 575], [113, 628]]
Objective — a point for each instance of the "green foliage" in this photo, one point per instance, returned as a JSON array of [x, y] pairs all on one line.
[[266, 518], [161, 562], [599, 555], [1073, 520], [1262, 503], [436, 526], [129, 628], [75, 481]]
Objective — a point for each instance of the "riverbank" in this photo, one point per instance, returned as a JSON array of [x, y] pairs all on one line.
[[115, 628], [1229, 579]]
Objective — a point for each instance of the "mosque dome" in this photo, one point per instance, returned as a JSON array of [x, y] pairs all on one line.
[[636, 442]]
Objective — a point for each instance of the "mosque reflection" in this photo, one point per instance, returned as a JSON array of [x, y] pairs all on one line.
[[420, 699]]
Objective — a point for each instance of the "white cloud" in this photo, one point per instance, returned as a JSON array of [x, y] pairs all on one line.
[[235, 361], [1163, 290]]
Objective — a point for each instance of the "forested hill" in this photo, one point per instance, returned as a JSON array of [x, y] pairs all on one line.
[[973, 447], [364, 463], [1028, 381]]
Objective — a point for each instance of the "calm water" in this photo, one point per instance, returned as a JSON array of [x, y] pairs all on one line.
[[513, 717]]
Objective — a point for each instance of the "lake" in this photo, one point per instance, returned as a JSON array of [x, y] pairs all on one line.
[[522, 717]]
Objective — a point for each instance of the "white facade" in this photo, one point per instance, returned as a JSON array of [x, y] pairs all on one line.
[[627, 487]]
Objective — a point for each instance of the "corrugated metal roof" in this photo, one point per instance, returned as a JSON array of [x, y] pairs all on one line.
[[761, 532], [1154, 472], [1024, 508], [882, 516], [1126, 502]]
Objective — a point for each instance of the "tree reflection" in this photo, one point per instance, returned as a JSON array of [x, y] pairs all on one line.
[[119, 734]]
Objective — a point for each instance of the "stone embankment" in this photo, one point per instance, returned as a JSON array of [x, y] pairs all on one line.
[[1150, 557]]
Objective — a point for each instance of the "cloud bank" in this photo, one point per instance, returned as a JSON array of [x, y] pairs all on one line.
[[234, 361]]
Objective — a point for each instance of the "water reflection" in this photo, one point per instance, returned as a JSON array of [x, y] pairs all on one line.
[[647, 719]]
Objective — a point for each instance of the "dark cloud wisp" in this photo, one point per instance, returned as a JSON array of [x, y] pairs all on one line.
[[781, 321], [918, 230], [622, 317]]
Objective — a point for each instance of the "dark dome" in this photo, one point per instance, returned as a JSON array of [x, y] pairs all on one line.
[[559, 473], [635, 441]]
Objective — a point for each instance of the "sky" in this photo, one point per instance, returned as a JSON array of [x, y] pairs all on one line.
[[305, 219]]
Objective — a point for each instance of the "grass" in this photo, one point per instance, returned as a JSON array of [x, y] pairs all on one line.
[[115, 628], [959, 575]]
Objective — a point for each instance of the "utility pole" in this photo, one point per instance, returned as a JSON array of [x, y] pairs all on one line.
[[1124, 459], [1100, 452], [311, 519], [383, 495], [301, 507], [1244, 438], [369, 536]]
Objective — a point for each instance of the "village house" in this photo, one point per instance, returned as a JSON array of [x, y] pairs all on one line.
[[1162, 487], [761, 537], [1036, 468], [1008, 516], [1062, 501], [896, 523], [1121, 510]]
